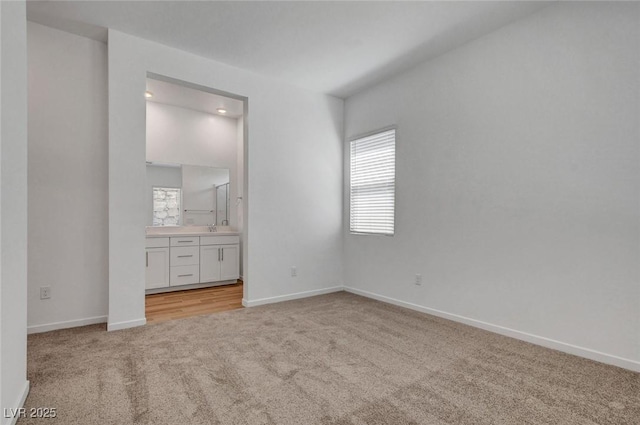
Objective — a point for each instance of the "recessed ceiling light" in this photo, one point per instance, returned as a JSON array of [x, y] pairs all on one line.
[[148, 94], [221, 110]]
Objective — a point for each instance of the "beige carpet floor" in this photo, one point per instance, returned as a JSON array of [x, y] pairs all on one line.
[[333, 359]]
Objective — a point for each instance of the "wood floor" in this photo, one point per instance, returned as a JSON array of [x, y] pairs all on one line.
[[194, 302]]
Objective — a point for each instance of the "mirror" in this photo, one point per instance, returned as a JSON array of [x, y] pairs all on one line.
[[186, 195]]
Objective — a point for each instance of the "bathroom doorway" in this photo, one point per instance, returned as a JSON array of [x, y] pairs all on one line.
[[196, 147]]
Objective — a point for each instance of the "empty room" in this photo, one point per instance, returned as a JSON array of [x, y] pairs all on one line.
[[319, 212]]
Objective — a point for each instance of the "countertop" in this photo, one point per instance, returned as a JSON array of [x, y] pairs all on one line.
[[185, 231], [172, 235]]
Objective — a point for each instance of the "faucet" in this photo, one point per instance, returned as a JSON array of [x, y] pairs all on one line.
[[212, 228]]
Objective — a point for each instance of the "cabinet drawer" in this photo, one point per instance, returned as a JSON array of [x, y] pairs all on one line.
[[157, 242], [185, 255], [185, 241], [219, 240], [184, 275]]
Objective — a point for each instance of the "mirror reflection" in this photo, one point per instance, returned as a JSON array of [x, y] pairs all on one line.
[[185, 195]]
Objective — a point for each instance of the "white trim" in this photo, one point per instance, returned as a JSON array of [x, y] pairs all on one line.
[[23, 398], [523, 336], [166, 289], [66, 324], [295, 296], [127, 324]]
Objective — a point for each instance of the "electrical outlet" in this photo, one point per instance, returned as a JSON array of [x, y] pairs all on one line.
[[418, 279], [45, 292], [294, 271]]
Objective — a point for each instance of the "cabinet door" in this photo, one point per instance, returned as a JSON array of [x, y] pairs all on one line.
[[157, 271], [210, 263], [230, 266]]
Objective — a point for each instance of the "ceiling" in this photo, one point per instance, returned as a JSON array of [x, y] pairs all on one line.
[[199, 100], [331, 47]]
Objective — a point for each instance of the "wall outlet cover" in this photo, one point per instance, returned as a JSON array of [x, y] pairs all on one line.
[[45, 292]]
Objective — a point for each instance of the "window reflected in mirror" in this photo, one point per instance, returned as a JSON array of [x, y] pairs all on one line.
[[166, 206]]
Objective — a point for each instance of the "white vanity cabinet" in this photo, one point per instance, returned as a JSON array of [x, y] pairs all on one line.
[[184, 261], [211, 266], [219, 258], [230, 255], [157, 263], [191, 260]]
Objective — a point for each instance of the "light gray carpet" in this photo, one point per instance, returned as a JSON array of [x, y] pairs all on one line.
[[332, 359]]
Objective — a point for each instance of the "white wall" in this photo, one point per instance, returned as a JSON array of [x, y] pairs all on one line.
[[68, 224], [199, 193], [518, 182], [13, 206], [186, 136], [295, 136]]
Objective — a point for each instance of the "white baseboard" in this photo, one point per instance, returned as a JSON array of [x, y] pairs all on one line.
[[66, 324], [19, 404], [523, 336], [189, 287], [126, 324], [288, 297]]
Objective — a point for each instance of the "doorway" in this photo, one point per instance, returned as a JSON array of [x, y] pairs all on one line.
[[196, 148]]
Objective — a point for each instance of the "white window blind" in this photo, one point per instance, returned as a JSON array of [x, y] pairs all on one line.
[[373, 178]]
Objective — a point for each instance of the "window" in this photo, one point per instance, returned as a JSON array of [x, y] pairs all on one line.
[[166, 206], [373, 178]]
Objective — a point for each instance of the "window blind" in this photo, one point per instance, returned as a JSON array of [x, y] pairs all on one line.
[[373, 177]]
